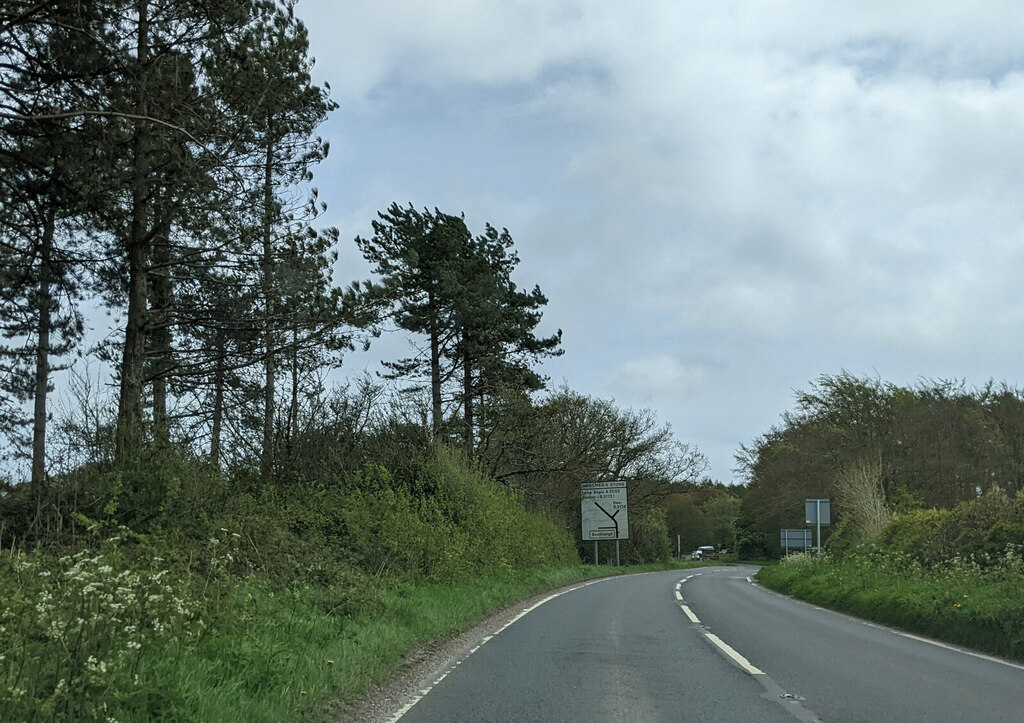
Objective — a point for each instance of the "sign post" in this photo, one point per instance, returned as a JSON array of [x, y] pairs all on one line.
[[818, 513], [604, 513]]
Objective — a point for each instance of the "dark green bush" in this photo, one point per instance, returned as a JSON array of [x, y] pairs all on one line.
[[922, 534], [446, 523], [844, 540], [978, 529], [648, 538]]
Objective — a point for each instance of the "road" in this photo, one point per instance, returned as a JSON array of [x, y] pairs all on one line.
[[708, 645]]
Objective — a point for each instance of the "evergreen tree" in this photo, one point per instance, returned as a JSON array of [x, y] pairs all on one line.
[[495, 323], [265, 83], [417, 256], [45, 194], [457, 291]]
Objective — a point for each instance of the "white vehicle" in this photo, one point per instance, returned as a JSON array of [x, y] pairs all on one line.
[[704, 552]]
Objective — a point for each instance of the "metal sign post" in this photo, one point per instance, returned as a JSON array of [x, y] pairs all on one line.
[[817, 513], [795, 540]]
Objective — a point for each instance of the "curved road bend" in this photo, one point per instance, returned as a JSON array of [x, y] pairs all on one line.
[[653, 647]]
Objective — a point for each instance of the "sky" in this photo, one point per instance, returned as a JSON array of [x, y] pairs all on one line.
[[722, 200]]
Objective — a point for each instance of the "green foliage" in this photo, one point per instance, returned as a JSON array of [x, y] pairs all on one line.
[[446, 524], [250, 606], [751, 544], [440, 281], [648, 538], [979, 529], [877, 449], [845, 539]]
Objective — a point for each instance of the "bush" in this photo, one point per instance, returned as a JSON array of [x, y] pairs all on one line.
[[979, 529], [751, 544], [648, 537], [923, 534], [447, 523], [79, 625], [844, 540]]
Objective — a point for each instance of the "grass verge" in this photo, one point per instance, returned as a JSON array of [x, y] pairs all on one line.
[[958, 602]]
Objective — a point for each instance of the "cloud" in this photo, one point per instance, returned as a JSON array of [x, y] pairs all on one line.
[[785, 188], [660, 377]]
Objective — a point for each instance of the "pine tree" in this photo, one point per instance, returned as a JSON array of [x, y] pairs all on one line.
[[45, 192], [457, 291], [265, 82]]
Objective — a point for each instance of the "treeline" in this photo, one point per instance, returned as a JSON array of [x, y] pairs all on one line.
[[158, 159], [877, 450], [703, 514]]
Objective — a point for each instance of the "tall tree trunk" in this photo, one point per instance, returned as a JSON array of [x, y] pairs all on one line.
[[270, 365], [467, 400], [293, 410], [42, 380], [129, 415], [160, 337], [435, 366], [218, 400]]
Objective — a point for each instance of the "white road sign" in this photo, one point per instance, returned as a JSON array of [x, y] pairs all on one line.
[[604, 511]]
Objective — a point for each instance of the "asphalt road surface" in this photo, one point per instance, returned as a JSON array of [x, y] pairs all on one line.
[[708, 645]]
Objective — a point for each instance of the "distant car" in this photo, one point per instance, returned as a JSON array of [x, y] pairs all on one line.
[[708, 552], [696, 555]]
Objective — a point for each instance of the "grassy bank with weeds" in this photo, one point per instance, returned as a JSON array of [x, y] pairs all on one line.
[[958, 601], [232, 601], [95, 637]]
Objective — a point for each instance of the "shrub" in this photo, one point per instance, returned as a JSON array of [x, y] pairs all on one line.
[[844, 540], [444, 522], [648, 537], [923, 534]]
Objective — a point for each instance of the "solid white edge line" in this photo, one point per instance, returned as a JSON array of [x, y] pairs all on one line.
[[689, 614], [920, 639], [955, 649], [737, 658]]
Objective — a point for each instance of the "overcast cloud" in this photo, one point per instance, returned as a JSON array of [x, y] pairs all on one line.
[[722, 200]]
